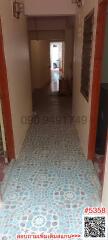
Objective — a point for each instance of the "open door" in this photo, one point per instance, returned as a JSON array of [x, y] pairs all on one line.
[[40, 63], [99, 51]]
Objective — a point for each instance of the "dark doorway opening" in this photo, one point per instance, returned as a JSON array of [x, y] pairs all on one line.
[[101, 134], [98, 117]]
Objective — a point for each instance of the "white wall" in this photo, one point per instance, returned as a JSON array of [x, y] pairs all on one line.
[[40, 63], [49, 7], [80, 106], [18, 69], [56, 53]]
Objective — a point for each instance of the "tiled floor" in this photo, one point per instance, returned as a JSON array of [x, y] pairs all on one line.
[[51, 182]]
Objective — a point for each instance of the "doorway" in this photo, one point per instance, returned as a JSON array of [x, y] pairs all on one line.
[[101, 133], [99, 112], [57, 52]]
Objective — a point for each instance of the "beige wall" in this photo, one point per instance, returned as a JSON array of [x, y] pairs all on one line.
[[49, 7], [69, 45], [47, 23], [80, 106], [58, 35], [40, 63], [18, 70]]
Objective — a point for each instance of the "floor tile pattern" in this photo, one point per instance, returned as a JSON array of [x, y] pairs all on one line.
[[51, 182]]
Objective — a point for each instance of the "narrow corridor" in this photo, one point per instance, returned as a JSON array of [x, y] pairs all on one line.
[[51, 183]]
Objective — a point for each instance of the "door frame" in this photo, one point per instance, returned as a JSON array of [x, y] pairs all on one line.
[[5, 102], [99, 50]]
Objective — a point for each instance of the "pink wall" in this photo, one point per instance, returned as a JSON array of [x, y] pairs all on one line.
[[18, 70], [49, 7]]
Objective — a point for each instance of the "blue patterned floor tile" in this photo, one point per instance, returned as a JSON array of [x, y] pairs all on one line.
[[51, 182]]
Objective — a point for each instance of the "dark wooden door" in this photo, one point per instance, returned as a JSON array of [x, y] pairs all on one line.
[[99, 50]]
